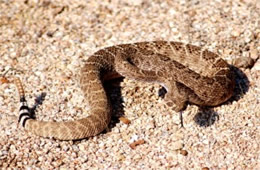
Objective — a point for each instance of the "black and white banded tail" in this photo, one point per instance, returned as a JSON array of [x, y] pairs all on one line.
[[24, 112]]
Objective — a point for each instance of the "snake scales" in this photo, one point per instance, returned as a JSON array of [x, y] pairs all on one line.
[[189, 73]]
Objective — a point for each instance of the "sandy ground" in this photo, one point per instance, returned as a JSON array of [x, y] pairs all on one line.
[[48, 41]]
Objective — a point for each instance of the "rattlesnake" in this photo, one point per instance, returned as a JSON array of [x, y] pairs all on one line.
[[189, 74]]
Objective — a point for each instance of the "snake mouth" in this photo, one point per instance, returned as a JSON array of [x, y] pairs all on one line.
[[226, 94]]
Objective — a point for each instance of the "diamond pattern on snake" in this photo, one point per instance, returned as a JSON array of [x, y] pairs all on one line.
[[189, 73]]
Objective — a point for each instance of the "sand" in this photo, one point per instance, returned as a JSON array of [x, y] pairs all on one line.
[[49, 41]]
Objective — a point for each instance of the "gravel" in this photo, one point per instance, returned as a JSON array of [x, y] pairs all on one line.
[[48, 41]]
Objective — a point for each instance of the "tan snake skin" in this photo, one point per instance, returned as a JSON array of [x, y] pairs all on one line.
[[189, 74]]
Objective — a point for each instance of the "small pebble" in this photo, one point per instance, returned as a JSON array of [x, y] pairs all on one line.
[[184, 152], [125, 120], [136, 143], [205, 168], [236, 32]]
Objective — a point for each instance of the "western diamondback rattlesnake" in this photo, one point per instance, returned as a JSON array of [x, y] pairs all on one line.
[[189, 73]]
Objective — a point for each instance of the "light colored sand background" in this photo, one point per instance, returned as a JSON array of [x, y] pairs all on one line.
[[50, 40]]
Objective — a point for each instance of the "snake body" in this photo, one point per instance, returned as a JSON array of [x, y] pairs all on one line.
[[189, 73]]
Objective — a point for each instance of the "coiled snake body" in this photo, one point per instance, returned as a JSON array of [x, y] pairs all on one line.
[[189, 73]]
